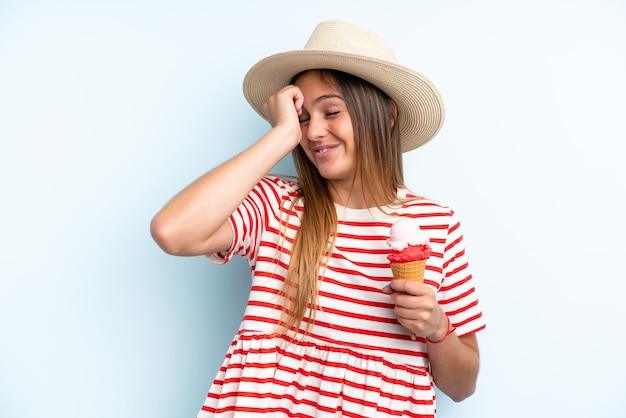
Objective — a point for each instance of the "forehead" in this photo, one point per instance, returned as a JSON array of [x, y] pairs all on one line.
[[318, 86], [318, 77]]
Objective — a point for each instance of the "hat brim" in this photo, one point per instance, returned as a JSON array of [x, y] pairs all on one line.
[[420, 107]]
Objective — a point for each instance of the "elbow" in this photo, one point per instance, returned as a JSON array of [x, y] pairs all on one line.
[[461, 395], [165, 235], [458, 379], [458, 393], [457, 388]]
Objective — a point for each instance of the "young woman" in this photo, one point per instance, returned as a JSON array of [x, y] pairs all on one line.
[[320, 337]]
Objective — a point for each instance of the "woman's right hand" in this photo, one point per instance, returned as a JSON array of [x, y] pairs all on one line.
[[283, 110]]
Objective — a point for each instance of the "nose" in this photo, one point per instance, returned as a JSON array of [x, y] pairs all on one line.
[[315, 128]]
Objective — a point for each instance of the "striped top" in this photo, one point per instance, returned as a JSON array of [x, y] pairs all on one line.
[[357, 360]]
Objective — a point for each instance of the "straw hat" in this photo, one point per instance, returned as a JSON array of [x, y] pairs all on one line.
[[345, 47]]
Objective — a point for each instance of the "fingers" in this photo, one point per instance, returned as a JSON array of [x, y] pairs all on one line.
[[420, 322], [416, 306], [424, 303], [414, 301], [412, 287], [298, 101], [284, 106]]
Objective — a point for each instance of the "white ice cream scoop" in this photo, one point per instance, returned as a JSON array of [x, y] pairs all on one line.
[[405, 232]]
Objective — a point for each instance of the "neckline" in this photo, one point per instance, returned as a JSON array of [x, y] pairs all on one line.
[[345, 213]]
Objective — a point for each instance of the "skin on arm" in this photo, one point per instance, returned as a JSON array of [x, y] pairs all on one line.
[[455, 361], [195, 221]]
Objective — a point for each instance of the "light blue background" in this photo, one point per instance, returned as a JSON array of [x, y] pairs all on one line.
[[108, 108]]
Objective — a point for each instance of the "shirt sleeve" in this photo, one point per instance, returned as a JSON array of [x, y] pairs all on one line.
[[252, 217], [457, 294]]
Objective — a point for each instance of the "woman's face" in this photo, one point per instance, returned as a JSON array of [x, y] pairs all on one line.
[[327, 134]]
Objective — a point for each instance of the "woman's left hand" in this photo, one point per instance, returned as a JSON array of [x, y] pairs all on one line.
[[418, 310]]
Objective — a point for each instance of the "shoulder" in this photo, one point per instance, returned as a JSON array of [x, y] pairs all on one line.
[[435, 216], [286, 184], [276, 193], [414, 204]]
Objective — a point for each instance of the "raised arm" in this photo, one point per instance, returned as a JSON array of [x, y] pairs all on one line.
[[194, 222]]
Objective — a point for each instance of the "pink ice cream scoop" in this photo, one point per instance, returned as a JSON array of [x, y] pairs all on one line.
[[405, 232]]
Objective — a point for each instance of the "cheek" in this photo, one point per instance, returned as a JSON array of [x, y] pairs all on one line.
[[305, 144], [346, 131]]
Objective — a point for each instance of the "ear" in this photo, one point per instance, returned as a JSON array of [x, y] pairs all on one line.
[[394, 110]]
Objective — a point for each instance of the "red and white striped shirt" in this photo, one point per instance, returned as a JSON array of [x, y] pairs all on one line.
[[357, 360]]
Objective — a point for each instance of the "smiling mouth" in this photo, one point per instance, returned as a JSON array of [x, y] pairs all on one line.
[[325, 150]]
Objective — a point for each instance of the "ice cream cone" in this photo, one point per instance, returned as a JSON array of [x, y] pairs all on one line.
[[409, 251], [413, 270]]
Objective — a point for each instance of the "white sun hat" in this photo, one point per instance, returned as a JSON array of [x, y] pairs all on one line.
[[342, 46]]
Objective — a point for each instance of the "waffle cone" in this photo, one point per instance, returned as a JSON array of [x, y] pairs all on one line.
[[413, 270]]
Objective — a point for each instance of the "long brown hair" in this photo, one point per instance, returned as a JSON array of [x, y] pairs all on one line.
[[379, 164]]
